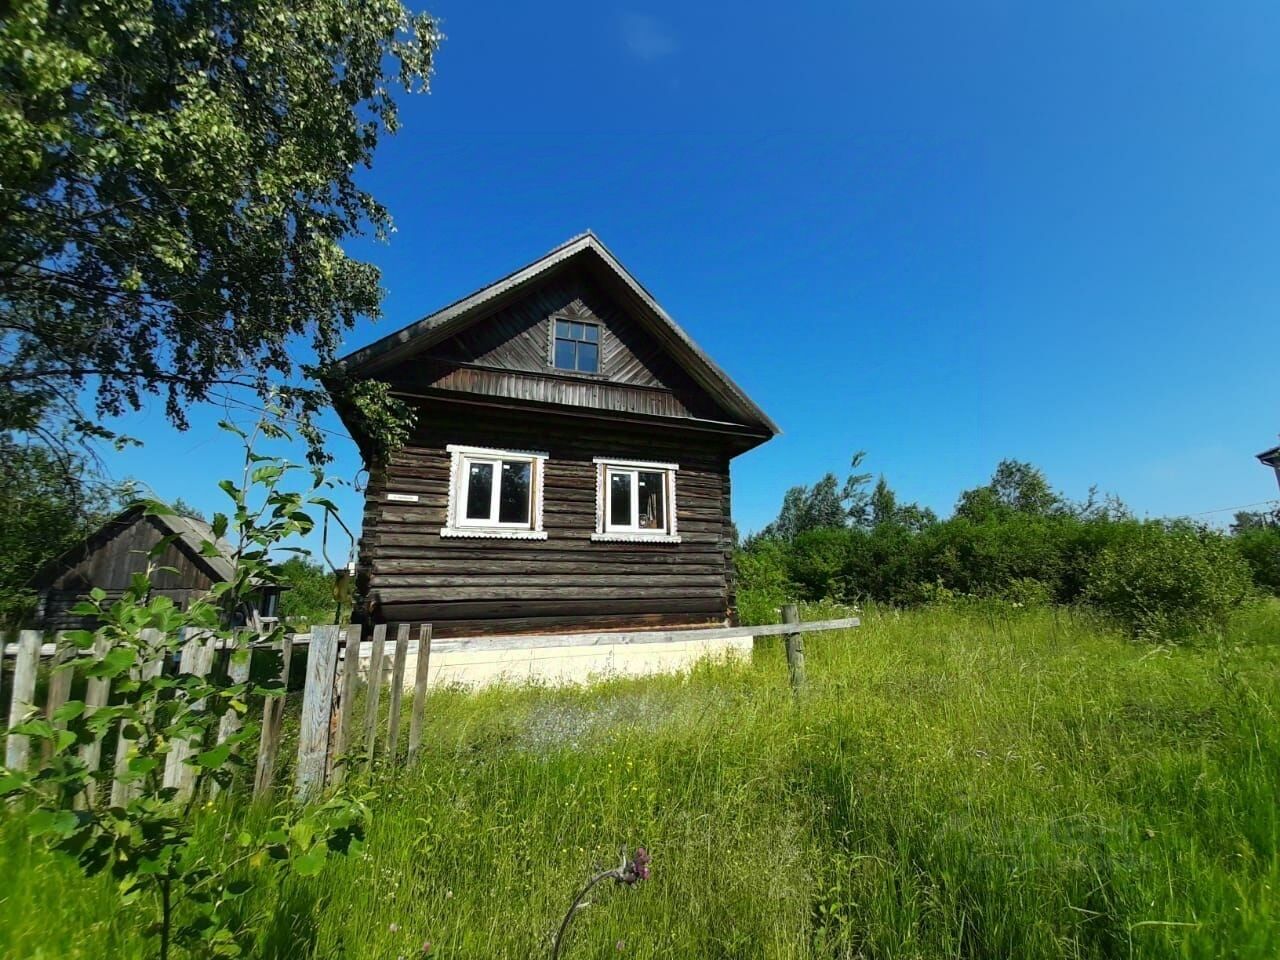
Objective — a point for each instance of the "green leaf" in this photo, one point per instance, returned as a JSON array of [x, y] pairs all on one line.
[[311, 862], [58, 823], [214, 758], [115, 662], [68, 711]]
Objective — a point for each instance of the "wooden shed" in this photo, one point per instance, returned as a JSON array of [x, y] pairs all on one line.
[[569, 469], [110, 556]]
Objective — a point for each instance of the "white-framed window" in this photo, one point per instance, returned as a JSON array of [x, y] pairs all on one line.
[[495, 493], [635, 500]]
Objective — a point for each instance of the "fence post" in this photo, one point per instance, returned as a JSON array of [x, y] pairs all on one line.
[[341, 745], [375, 689], [419, 689], [272, 724], [17, 750], [317, 702], [795, 648]]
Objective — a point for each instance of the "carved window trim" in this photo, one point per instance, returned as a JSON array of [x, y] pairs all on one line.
[[457, 525], [607, 532]]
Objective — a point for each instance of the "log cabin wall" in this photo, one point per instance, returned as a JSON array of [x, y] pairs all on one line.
[[464, 586]]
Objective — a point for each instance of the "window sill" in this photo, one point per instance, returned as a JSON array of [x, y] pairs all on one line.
[[493, 533], [635, 538]]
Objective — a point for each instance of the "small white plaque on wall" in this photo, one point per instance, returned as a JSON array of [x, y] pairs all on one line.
[[403, 497]]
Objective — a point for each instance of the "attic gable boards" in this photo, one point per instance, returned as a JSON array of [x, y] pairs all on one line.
[[506, 351]]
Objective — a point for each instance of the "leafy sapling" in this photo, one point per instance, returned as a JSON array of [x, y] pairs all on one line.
[[144, 835]]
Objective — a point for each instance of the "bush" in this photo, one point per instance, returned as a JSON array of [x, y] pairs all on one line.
[[1168, 582], [763, 585], [1260, 548]]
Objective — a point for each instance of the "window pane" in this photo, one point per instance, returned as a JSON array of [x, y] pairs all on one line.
[[652, 501], [562, 329], [577, 331], [479, 490], [588, 358], [590, 332], [620, 499], [565, 354], [513, 495]]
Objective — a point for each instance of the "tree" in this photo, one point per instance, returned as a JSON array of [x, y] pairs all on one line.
[[309, 592], [885, 510], [52, 501], [1017, 487], [177, 178], [1249, 520], [824, 505], [184, 509]]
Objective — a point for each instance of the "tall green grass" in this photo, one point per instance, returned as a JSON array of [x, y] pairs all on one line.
[[954, 783]]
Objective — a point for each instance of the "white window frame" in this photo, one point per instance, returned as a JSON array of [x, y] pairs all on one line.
[[609, 532], [457, 523]]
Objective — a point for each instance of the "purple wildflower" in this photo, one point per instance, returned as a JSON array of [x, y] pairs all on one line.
[[636, 868]]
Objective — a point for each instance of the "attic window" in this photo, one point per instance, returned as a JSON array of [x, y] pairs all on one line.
[[576, 346]]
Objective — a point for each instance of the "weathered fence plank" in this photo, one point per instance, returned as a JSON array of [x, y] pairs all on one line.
[[317, 702], [17, 749], [375, 689], [196, 660], [272, 725], [397, 692], [419, 690], [97, 692], [342, 741], [60, 678], [239, 661], [149, 669]]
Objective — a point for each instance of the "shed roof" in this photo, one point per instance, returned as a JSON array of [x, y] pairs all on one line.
[[586, 247], [188, 532]]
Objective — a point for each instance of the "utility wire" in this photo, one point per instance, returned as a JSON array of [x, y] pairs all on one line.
[[1245, 506]]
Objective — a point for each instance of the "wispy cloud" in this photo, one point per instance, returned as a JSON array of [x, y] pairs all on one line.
[[646, 38]]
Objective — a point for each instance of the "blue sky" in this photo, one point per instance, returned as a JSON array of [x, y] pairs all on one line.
[[943, 233]]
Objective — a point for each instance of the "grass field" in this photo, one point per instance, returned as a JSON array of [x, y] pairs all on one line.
[[954, 783]]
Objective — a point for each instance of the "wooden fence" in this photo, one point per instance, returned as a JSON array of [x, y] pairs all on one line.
[[328, 741]]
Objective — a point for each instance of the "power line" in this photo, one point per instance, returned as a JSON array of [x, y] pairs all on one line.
[[252, 408], [1245, 506]]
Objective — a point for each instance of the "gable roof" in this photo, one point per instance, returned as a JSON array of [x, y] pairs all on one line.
[[189, 535], [585, 247], [1271, 457]]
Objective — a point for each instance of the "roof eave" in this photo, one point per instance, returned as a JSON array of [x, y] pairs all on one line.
[[444, 322]]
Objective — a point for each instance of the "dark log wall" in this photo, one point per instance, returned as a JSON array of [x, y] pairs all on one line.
[[110, 560], [474, 586], [508, 354]]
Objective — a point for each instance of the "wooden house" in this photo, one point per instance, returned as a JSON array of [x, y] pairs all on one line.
[[110, 556], [569, 470], [1271, 458]]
